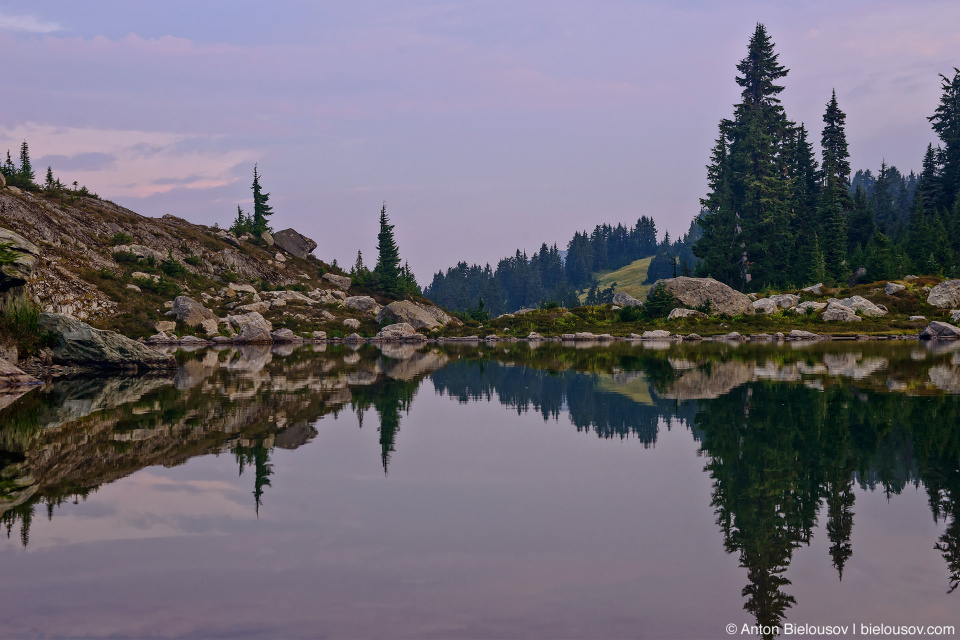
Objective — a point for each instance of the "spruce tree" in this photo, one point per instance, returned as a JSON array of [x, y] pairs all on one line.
[[834, 239], [261, 209], [49, 182], [25, 173], [836, 158], [387, 272], [946, 122]]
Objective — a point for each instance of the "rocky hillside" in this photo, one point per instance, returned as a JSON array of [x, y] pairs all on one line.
[[110, 267]]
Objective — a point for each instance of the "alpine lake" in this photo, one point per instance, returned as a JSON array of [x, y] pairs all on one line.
[[502, 490]]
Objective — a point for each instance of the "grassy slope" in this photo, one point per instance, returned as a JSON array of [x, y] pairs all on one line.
[[630, 279]]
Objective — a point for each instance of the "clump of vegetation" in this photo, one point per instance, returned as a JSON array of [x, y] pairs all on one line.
[[660, 302], [7, 254], [172, 267], [257, 222], [194, 261], [20, 323], [121, 238]]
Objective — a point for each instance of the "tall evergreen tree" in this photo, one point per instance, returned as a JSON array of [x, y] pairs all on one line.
[[946, 122], [387, 272], [261, 209], [836, 158], [25, 174]]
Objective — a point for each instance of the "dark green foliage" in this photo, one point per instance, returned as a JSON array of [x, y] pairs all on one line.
[[261, 209], [880, 262], [20, 323], [7, 255], [630, 314], [194, 261], [242, 224], [660, 302], [120, 238], [21, 175], [479, 313], [386, 274], [172, 267]]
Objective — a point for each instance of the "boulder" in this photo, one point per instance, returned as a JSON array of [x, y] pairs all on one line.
[[251, 328], [134, 288], [353, 337], [17, 273], [399, 331], [815, 289], [267, 238], [294, 243], [191, 313], [340, 282], [285, 335], [625, 300], [694, 292], [363, 304], [940, 330], [353, 323], [837, 312], [893, 287], [765, 305], [797, 334], [533, 335], [786, 300], [319, 335], [803, 306], [279, 257], [955, 315], [694, 337], [656, 334], [165, 326], [917, 318], [945, 295], [864, 306], [254, 307], [680, 312], [413, 314], [584, 335], [141, 251], [234, 289], [77, 343], [857, 276], [11, 376]]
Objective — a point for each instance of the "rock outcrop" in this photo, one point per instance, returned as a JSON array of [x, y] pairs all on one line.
[[416, 315], [285, 336], [15, 275], [363, 304], [294, 243], [252, 328], [945, 295], [77, 343], [940, 330], [786, 300], [622, 299], [694, 292], [765, 305], [892, 288], [864, 306], [399, 331], [837, 312], [340, 282], [191, 313]]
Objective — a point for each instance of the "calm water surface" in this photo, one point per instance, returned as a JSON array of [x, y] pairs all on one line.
[[647, 490]]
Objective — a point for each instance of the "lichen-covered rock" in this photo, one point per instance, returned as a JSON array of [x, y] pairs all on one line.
[[680, 312], [77, 343], [940, 330], [285, 335], [411, 313], [864, 306], [340, 282], [892, 287], [363, 304], [803, 306], [945, 295], [625, 300], [191, 313], [765, 305], [399, 331], [294, 243], [786, 300], [353, 323], [251, 328], [656, 334], [694, 292], [837, 312]]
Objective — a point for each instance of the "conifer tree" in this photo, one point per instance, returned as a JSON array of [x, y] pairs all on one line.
[[261, 209], [49, 183], [946, 122], [25, 173], [387, 272], [836, 158]]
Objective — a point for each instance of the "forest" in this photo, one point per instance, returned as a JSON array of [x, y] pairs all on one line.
[[774, 215]]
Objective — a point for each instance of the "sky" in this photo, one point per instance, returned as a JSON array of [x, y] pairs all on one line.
[[484, 126]]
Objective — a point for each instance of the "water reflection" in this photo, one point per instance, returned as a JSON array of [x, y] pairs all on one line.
[[787, 432]]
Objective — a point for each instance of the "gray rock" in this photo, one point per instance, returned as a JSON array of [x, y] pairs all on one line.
[[294, 243], [786, 300], [353, 337], [955, 315], [363, 304], [252, 328], [141, 251], [940, 330], [797, 334], [165, 326], [398, 331], [765, 305], [285, 335], [864, 306], [267, 238], [584, 335], [534, 336], [656, 334], [917, 318], [191, 313], [945, 295], [837, 312], [25, 254], [694, 337], [77, 343], [857, 276], [353, 323], [694, 292], [680, 312], [319, 335], [625, 300], [418, 316], [892, 288], [815, 289], [340, 282], [254, 307]]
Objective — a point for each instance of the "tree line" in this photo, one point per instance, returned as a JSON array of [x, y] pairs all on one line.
[[549, 276], [775, 217]]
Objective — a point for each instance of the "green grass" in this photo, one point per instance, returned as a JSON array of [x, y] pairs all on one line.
[[630, 279]]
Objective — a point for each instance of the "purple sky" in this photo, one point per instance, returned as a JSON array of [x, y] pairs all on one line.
[[484, 126]]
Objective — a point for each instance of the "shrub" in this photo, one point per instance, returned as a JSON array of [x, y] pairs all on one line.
[[194, 261], [7, 255], [173, 267], [630, 314], [120, 238], [660, 302], [127, 257]]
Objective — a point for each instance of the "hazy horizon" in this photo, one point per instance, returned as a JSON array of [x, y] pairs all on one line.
[[485, 127]]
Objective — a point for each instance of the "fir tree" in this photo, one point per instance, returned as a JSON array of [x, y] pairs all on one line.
[[25, 173], [49, 183], [946, 122], [836, 164], [387, 272], [834, 238], [261, 209]]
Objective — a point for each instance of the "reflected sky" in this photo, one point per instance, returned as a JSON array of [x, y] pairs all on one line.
[[492, 521]]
